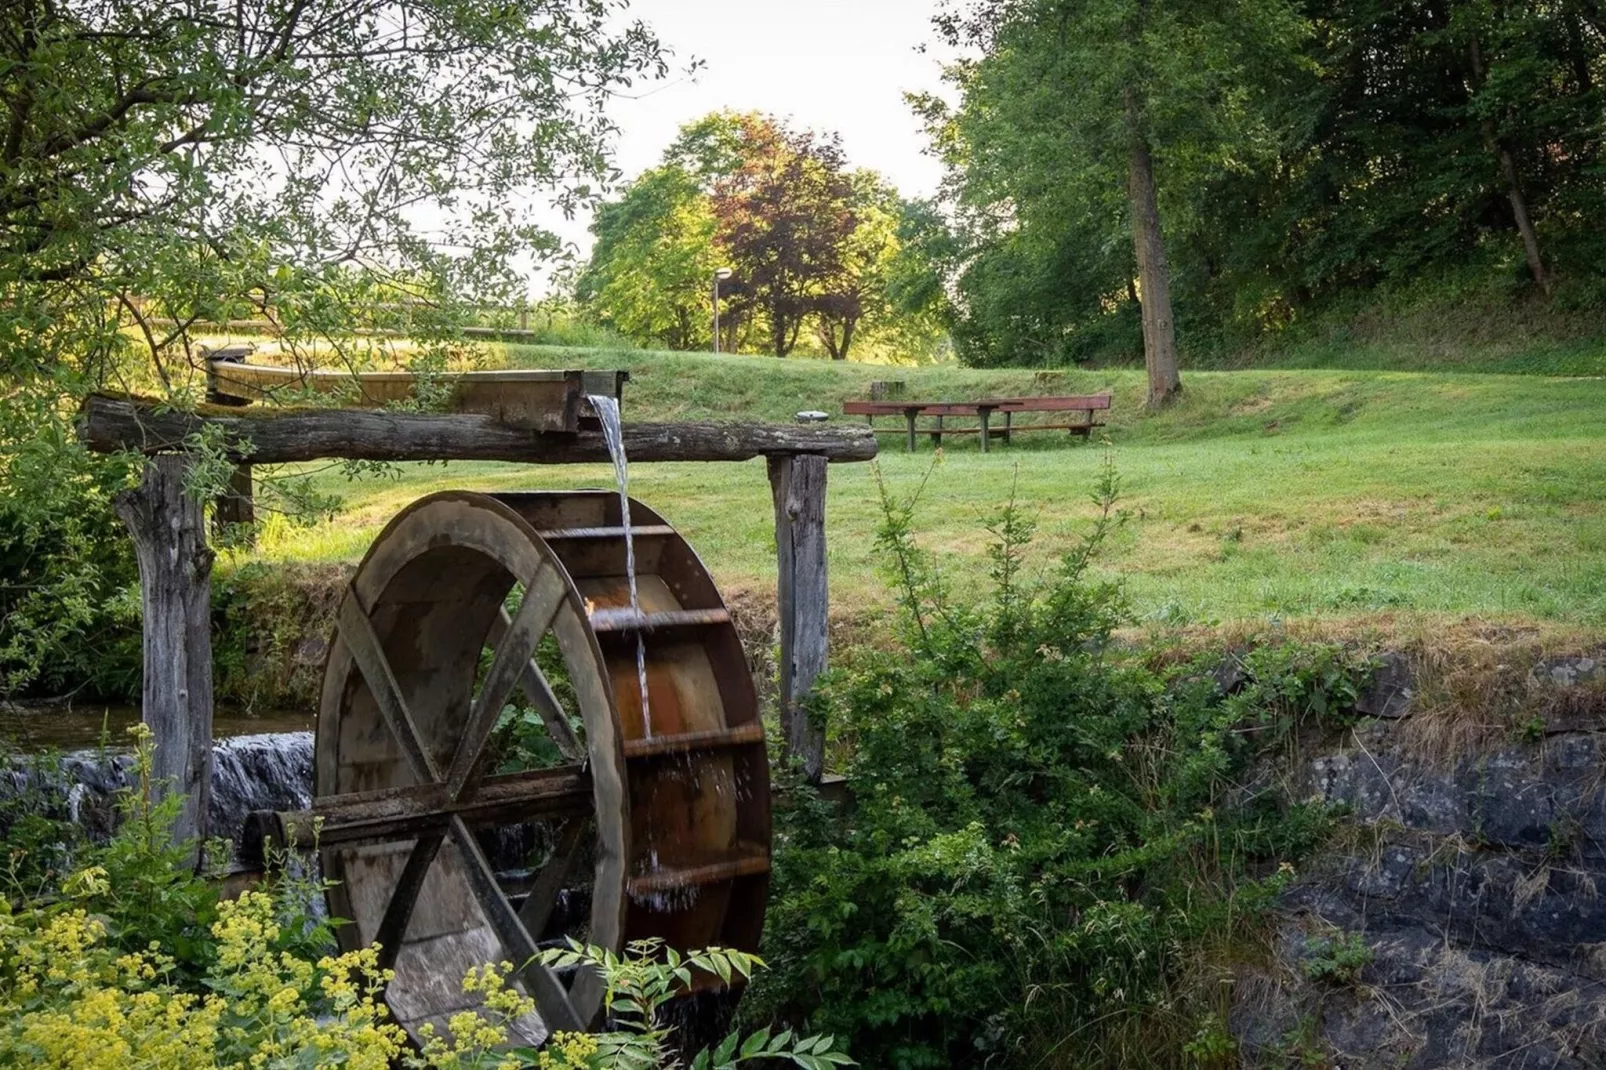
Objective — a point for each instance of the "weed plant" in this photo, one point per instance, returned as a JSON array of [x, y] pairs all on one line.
[[1056, 851]]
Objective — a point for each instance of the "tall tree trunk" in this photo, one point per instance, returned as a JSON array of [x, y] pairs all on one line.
[[848, 324], [1525, 227], [1508, 171], [777, 331], [1154, 274]]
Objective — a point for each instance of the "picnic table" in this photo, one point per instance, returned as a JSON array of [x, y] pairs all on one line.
[[983, 410]]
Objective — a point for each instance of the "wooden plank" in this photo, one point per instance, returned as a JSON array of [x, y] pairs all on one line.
[[744, 860], [175, 572], [1073, 428], [605, 621], [745, 735], [637, 531], [109, 425], [1066, 403], [402, 813], [799, 485]]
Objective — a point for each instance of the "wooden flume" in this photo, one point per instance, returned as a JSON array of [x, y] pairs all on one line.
[[650, 823]]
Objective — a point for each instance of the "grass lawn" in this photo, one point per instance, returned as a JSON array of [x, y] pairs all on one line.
[[1298, 493]]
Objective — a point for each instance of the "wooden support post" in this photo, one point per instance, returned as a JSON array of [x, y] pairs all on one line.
[[236, 505], [985, 413], [175, 572], [798, 483], [909, 415], [1009, 429], [936, 435]]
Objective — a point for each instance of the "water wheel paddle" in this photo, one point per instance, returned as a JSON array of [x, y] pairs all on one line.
[[654, 826]]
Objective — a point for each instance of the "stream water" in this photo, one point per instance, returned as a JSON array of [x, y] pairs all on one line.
[[607, 410]]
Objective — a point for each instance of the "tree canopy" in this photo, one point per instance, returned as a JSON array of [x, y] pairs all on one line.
[[175, 160], [336, 165], [1300, 151], [814, 248]]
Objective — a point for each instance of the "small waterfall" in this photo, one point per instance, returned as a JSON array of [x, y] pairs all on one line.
[[262, 772], [607, 410]]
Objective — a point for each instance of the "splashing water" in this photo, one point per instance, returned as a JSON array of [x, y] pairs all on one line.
[[607, 410]]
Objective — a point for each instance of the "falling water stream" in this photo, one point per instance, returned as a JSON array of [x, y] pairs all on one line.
[[607, 410]]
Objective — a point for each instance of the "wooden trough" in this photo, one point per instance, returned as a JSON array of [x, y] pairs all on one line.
[[535, 400]]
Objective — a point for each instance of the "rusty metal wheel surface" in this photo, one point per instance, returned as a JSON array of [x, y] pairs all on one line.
[[470, 609]]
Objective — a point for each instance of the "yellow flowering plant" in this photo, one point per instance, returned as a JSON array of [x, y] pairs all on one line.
[[69, 999]]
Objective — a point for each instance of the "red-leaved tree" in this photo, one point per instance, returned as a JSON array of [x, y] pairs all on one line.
[[784, 213]]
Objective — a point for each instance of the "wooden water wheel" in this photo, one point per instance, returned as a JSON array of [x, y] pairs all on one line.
[[645, 824]]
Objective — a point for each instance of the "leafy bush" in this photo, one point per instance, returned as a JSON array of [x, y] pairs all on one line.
[[69, 594], [1041, 860]]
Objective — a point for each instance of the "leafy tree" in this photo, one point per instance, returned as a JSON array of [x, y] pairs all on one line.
[[857, 296], [211, 160], [785, 214], [1300, 152], [1084, 111], [338, 163], [654, 260]]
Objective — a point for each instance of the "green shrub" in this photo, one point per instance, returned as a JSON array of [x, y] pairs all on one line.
[[1046, 845], [69, 589]]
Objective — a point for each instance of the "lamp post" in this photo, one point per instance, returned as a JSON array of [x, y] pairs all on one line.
[[720, 275]]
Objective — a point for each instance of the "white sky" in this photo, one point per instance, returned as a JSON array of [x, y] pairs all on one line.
[[839, 65]]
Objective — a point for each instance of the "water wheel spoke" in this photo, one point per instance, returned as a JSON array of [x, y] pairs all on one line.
[[541, 601], [551, 998], [538, 692], [399, 911], [358, 633], [543, 898]]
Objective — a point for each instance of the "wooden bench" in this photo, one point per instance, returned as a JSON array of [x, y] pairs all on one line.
[[983, 410]]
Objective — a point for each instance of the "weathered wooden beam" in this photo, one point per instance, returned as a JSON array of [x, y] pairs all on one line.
[[175, 569], [403, 813], [110, 424], [798, 484]]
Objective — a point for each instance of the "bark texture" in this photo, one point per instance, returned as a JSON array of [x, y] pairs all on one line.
[[175, 572], [803, 595], [278, 436], [1154, 274]]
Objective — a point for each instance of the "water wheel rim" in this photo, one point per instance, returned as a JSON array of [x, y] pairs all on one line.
[[477, 534]]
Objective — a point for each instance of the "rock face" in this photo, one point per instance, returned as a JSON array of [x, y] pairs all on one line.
[[1470, 893]]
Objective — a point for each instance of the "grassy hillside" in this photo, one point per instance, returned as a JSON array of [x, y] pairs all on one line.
[[1303, 493]]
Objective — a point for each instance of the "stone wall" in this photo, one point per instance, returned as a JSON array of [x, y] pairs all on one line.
[[1471, 888]]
